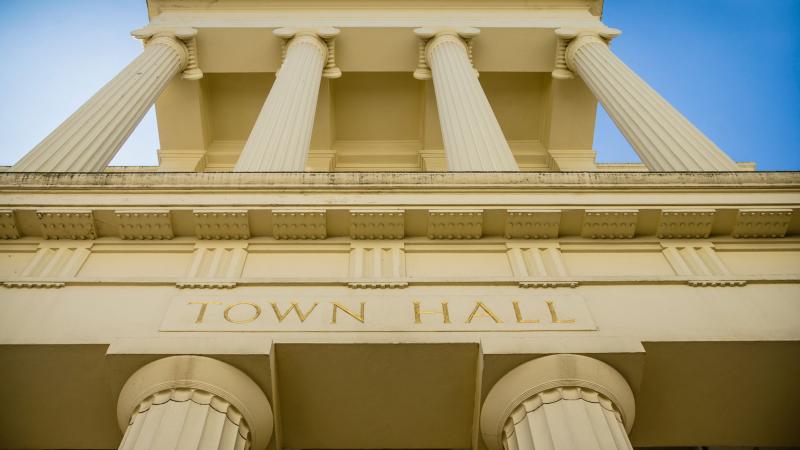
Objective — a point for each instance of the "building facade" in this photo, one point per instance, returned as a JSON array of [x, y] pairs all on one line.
[[381, 225]]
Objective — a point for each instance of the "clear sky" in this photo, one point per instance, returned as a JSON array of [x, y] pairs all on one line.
[[731, 66]]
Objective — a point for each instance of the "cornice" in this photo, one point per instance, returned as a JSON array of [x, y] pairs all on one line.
[[306, 181]]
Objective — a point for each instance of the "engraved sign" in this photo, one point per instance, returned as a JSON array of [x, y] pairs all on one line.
[[387, 312]]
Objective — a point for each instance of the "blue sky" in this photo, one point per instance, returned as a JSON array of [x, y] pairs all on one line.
[[731, 66]]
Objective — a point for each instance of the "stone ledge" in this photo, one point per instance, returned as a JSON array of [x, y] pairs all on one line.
[[413, 180]]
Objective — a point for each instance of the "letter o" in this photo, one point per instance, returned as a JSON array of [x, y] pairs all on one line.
[[229, 308]]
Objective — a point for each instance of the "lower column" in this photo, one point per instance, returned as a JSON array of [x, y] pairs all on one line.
[[559, 402], [193, 402]]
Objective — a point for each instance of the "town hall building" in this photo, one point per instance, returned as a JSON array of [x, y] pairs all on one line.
[[381, 224]]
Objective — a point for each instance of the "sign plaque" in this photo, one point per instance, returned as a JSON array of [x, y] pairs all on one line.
[[379, 312]]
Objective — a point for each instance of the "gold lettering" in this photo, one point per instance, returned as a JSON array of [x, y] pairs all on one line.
[[554, 316], [359, 317], [518, 313], [445, 312], [256, 311], [202, 313], [486, 313], [296, 309]]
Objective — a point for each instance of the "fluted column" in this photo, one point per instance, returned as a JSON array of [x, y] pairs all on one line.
[[281, 136], [559, 402], [662, 137], [193, 402], [90, 138], [473, 140]]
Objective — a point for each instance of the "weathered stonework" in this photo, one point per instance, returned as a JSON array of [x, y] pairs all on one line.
[[299, 224], [377, 224], [532, 224], [66, 224], [761, 223], [455, 224], [609, 224], [145, 224], [8, 226], [685, 224], [221, 224]]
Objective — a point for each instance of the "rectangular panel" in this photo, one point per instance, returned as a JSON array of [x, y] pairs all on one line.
[[378, 312]]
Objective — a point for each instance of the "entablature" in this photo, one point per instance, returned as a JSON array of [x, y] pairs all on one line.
[[450, 206]]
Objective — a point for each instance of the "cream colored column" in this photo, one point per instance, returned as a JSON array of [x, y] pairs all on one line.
[[662, 137], [88, 140], [473, 140], [193, 402], [559, 402], [281, 136]]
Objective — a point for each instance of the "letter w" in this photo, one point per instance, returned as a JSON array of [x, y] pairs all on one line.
[[295, 308]]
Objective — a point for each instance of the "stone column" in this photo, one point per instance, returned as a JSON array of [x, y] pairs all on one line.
[[559, 402], [193, 402], [473, 140], [662, 137], [281, 136], [90, 138]]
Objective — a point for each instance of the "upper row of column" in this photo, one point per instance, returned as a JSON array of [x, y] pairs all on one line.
[[279, 141]]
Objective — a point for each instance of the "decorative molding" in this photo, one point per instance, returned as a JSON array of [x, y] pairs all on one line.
[[144, 224], [685, 223], [184, 35], [532, 223], [565, 37], [762, 223], [179, 379], [377, 224], [327, 37], [299, 224], [455, 224], [600, 424], [53, 264], [716, 283], [699, 262], [221, 224], [379, 265], [208, 419], [8, 226], [559, 377], [34, 284], [66, 224], [538, 265], [609, 223], [426, 36], [569, 40], [215, 266]]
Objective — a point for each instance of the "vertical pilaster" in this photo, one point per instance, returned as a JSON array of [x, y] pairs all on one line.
[[90, 138], [281, 136], [473, 140], [663, 138]]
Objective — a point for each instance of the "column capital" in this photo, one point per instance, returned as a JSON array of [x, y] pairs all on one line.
[[322, 38], [554, 372], [183, 40], [570, 40], [185, 377], [431, 37]]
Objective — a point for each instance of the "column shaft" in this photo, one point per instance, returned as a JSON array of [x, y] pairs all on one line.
[[663, 138], [473, 140], [565, 418], [281, 136], [88, 140], [186, 419]]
